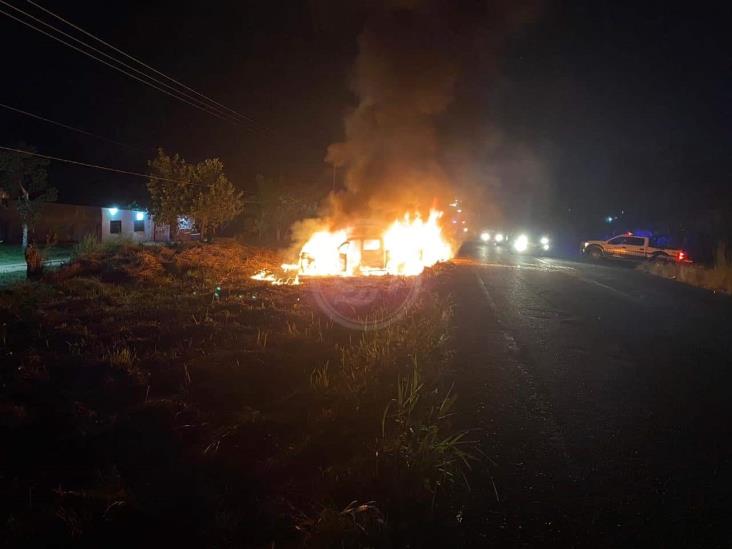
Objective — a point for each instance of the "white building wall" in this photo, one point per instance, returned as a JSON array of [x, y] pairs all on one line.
[[127, 219]]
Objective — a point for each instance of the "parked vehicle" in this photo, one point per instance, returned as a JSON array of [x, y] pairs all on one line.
[[631, 247]]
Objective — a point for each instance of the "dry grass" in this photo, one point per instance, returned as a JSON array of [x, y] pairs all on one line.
[[718, 277]]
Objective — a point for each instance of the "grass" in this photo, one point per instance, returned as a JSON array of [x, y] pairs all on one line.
[[717, 277], [138, 400], [10, 254]]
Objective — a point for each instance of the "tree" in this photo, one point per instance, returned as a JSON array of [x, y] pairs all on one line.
[[216, 200], [23, 179], [170, 188], [200, 191]]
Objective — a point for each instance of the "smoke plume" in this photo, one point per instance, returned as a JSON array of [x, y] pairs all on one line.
[[396, 153], [403, 78]]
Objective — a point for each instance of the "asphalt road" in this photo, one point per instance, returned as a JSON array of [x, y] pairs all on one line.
[[602, 397]]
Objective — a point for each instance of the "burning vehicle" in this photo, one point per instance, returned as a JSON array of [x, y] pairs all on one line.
[[364, 254], [404, 248]]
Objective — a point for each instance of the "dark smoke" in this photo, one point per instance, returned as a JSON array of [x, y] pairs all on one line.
[[404, 77], [399, 144]]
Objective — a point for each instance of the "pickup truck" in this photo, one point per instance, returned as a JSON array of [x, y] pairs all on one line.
[[631, 247]]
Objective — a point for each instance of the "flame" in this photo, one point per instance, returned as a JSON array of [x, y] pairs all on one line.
[[320, 256], [413, 244], [404, 248], [268, 276]]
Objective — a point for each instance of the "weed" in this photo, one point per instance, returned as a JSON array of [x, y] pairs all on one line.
[[292, 328], [319, 378], [88, 245], [357, 525], [124, 359], [416, 432]]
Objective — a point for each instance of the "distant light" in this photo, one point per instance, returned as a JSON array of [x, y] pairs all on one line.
[[485, 237], [609, 219], [544, 240], [545, 246], [499, 237], [139, 216], [521, 243], [460, 211], [454, 220], [465, 229], [113, 211]]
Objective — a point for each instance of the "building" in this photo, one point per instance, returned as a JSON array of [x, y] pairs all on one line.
[[135, 225], [69, 223]]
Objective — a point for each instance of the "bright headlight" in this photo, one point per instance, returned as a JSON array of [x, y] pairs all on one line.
[[521, 243], [499, 237], [544, 240], [485, 237]]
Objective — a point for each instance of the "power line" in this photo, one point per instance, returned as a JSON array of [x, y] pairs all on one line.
[[201, 105], [243, 116], [87, 165], [114, 59], [206, 109], [72, 128]]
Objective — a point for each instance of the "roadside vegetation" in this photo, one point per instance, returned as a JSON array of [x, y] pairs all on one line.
[[161, 394], [717, 277]]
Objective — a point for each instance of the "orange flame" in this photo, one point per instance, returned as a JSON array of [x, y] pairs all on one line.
[[405, 248]]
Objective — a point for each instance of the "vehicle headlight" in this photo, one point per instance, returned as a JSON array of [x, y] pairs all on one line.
[[521, 243], [499, 237], [485, 237], [544, 240]]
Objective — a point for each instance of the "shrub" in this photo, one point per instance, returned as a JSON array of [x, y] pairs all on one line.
[[718, 277], [88, 245]]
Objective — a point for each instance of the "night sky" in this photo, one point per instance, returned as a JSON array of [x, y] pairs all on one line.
[[587, 109]]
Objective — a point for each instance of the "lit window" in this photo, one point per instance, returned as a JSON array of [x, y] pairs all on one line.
[[115, 226], [371, 245]]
